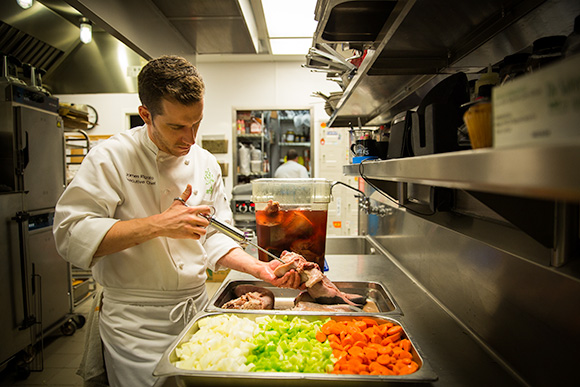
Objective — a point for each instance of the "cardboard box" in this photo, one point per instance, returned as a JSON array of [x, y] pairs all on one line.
[[538, 108], [224, 168], [217, 276], [214, 145]]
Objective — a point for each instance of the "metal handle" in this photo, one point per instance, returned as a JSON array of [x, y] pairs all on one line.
[[234, 233]]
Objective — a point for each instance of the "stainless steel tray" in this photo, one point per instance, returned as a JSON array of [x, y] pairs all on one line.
[[166, 366], [284, 298]]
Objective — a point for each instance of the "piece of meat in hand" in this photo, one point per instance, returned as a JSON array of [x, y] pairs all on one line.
[[318, 286], [309, 271]]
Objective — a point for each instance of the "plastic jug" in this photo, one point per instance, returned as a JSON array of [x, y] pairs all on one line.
[[298, 223]]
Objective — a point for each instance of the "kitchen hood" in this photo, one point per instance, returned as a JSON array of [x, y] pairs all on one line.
[[125, 35]]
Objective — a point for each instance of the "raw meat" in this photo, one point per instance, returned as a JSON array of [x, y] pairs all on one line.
[[251, 297], [318, 286], [304, 306]]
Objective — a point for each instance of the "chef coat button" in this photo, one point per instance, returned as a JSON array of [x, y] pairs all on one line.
[[166, 191], [195, 192], [180, 266], [186, 161]]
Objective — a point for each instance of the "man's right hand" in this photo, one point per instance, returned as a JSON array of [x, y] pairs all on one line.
[[183, 222]]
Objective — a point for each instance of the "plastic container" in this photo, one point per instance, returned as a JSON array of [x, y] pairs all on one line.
[[479, 125], [299, 223]]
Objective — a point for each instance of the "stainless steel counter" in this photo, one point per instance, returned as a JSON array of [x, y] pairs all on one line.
[[451, 351]]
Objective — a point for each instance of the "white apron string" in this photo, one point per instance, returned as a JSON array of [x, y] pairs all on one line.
[[186, 309]]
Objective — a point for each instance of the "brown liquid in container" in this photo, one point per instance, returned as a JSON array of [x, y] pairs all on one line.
[[302, 231]]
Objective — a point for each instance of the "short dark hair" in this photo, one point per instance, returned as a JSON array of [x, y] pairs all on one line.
[[170, 77], [292, 154]]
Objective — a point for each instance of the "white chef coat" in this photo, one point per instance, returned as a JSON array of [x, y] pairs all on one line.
[[128, 177], [291, 169]]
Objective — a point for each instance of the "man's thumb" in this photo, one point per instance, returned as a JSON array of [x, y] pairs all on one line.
[[187, 193]]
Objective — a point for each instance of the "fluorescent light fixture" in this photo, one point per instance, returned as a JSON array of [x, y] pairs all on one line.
[[292, 18], [290, 46], [25, 3], [86, 32]]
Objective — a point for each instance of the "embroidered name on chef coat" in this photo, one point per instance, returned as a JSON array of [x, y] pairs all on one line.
[[140, 178]]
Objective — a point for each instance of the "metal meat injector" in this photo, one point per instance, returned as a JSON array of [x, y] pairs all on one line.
[[236, 234]]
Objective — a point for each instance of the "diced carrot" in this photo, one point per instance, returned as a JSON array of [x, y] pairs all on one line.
[[320, 336], [376, 339], [352, 329], [393, 330], [396, 337], [384, 359], [370, 321], [356, 351], [358, 336], [348, 340], [335, 345], [378, 368], [382, 329], [409, 368], [369, 332], [361, 324], [327, 327], [404, 355], [405, 344], [370, 353], [333, 338], [385, 349], [360, 344]]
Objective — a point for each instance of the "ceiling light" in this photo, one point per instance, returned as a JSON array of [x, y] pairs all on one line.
[[86, 33], [294, 18], [294, 46], [25, 3]]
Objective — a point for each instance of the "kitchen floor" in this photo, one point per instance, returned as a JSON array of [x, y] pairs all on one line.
[[62, 356]]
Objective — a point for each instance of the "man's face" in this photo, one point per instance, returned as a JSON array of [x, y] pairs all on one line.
[[174, 130]]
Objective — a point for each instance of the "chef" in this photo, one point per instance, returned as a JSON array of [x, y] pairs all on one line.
[[131, 214]]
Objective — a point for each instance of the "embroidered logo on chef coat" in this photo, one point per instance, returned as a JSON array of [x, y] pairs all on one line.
[[209, 180]]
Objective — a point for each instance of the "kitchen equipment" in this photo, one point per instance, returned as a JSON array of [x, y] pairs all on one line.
[[35, 280], [438, 117], [236, 234], [400, 138], [166, 365], [545, 51], [299, 224], [242, 207], [284, 298]]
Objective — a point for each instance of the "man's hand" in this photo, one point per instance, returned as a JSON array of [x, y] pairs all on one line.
[[239, 260], [183, 222], [290, 280]]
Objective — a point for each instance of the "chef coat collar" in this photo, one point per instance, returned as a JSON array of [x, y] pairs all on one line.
[[147, 141]]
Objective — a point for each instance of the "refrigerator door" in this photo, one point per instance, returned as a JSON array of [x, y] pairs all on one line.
[[43, 156], [14, 299], [54, 272]]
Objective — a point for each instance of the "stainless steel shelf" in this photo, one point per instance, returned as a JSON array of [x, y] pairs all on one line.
[[544, 172], [306, 144], [414, 51]]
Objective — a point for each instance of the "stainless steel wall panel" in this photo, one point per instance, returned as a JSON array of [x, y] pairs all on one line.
[[508, 301]]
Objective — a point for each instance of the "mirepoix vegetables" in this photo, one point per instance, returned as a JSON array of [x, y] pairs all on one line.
[[293, 344], [221, 344], [289, 344]]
